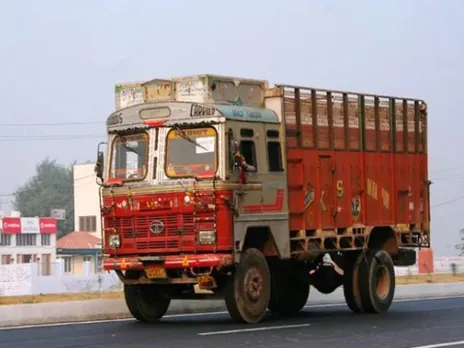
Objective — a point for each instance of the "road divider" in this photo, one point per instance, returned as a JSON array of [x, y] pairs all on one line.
[[118, 294], [112, 309]]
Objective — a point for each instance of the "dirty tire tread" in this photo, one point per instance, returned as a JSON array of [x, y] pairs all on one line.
[[145, 302], [351, 290], [129, 294], [233, 292], [371, 302]]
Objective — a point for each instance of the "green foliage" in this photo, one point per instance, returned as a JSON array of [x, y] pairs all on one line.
[[50, 188]]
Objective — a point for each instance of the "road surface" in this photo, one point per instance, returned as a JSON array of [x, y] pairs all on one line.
[[424, 323]]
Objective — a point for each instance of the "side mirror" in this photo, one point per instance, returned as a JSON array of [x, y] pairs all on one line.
[[99, 165]]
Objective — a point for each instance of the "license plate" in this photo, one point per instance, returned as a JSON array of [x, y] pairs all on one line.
[[156, 273]]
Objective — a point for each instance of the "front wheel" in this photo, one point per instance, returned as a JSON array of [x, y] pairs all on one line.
[[146, 302], [247, 294]]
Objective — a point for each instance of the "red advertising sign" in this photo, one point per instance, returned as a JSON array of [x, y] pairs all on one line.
[[11, 225], [15, 225], [48, 225]]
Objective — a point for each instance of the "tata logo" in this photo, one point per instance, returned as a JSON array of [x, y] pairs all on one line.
[[156, 227]]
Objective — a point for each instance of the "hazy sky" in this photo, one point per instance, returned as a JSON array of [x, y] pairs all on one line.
[[59, 61]]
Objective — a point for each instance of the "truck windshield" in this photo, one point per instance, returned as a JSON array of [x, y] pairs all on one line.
[[129, 155], [191, 152]]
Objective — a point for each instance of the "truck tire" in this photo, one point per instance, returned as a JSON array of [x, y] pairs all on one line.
[[288, 294], [247, 294], [377, 281], [146, 302], [351, 289]]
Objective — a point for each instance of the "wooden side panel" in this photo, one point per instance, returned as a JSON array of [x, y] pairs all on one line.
[[327, 194], [354, 134], [324, 122], [368, 153], [290, 123]]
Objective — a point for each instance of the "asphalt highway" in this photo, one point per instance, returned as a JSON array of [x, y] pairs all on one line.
[[419, 324]]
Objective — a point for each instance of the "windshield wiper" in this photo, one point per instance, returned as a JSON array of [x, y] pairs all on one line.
[[186, 137]]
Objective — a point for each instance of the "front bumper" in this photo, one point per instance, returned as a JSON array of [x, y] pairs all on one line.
[[168, 262]]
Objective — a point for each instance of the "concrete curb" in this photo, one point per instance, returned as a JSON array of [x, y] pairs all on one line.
[[94, 310]]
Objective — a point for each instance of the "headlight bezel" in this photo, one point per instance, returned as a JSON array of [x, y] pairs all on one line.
[[207, 237], [114, 241]]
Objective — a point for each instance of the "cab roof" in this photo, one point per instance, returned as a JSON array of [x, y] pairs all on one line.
[[170, 113]]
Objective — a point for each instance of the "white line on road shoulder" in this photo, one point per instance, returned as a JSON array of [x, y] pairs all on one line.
[[264, 328], [187, 315], [438, 345]]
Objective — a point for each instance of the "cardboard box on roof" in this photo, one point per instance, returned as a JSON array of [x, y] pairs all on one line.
[[128, 94], [158, 90], [208, 88], [204, 88]]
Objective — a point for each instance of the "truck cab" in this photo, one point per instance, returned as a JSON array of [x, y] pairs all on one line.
[[185, 184]]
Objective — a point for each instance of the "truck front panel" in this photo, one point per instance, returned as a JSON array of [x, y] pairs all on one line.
[[167, 223]]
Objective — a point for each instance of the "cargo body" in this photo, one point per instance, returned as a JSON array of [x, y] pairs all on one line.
[[355, 160], [252, 193]]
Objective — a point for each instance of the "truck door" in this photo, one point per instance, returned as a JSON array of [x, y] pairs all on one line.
[[327, 191]]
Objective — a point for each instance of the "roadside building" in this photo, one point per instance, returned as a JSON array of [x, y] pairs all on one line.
[[80, 252], [28, 240]]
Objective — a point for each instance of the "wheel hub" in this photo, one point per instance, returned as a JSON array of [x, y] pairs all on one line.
[[382, 280], [253, 284]]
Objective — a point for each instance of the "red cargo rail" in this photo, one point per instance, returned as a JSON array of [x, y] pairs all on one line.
[[364, 157]]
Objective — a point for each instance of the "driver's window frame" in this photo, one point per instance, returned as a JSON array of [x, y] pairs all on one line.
[[112, 160], [216, 158], [240, 132]]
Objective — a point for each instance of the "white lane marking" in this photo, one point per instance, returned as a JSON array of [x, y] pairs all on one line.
[[188, 315], [264, 328], [438, 345]]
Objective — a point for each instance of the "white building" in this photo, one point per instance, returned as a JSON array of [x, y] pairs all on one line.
[[86, 200], [28, 240]]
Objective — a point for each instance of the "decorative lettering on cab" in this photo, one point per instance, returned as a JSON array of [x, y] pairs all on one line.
[[114, 120], [202, 110]]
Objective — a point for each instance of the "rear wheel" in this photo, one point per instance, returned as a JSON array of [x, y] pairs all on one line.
[[369, 282], [247, 293], [377, 281], [146, 302], [351, 282], [289, 294]]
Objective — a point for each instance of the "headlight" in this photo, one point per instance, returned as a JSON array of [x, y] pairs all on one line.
[[114, 241], [206, 237]]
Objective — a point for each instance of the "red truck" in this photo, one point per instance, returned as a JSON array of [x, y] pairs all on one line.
[[217, 186]]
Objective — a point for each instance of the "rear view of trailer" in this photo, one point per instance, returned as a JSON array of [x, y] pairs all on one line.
[[356, 162]]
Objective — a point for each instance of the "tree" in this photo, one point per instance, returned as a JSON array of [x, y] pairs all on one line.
[[460, 246], [50, 188]]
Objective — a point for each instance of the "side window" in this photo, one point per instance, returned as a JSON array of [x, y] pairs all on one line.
[[247, 133], [274, 156], [248, 151]]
